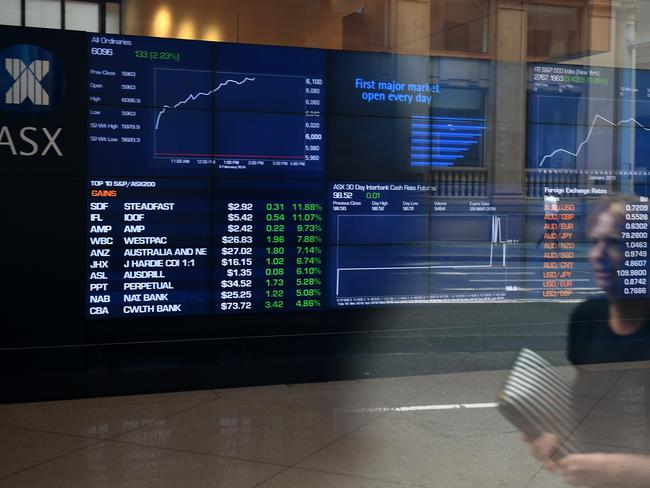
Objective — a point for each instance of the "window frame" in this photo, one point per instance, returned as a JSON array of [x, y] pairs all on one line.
[[101, 20]]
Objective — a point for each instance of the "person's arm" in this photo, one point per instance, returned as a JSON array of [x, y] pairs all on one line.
[[599, 469]]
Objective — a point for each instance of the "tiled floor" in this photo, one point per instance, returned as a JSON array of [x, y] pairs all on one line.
[[422, 431]]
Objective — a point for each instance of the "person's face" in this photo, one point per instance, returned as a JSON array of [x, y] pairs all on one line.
[[607, 253]]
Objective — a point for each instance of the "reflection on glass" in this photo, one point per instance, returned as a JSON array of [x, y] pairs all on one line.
[[459, 25], [553, 31], [10, 12], [83, 16], [592, 441], [43, 13], [112, 18]]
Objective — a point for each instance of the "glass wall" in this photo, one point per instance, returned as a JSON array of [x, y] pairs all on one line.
[[448, 153], [238, 192], [515, 119]]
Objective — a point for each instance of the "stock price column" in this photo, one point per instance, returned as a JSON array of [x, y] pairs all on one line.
[[235, 266], [269, 246]]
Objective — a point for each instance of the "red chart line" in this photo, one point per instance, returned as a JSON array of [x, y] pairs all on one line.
[[230, 155]]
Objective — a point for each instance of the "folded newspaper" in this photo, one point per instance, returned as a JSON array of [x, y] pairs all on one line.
[[537, 399]]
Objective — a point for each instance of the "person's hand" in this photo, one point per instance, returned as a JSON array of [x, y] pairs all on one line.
[[543, 447], [593, 470], [598, 469]]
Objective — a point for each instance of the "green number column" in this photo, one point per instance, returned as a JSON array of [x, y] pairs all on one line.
[[307, 218], [275, 252]]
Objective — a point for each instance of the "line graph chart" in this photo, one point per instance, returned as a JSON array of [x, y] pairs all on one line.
[[251, 121], [569, 132], [629, 120], [194, 96]]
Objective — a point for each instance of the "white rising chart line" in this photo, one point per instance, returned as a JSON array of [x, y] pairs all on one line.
[[591, 129], [192, 97]]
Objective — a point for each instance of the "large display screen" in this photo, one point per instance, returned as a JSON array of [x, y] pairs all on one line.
[[225, 179], [212, 174], [228, 178]]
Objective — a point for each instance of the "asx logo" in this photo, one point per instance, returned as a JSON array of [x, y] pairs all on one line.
[[32, 83], [27, 81], [31, 79]]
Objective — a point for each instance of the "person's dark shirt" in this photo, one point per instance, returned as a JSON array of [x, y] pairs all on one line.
[[620, 418], [592, 341]]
